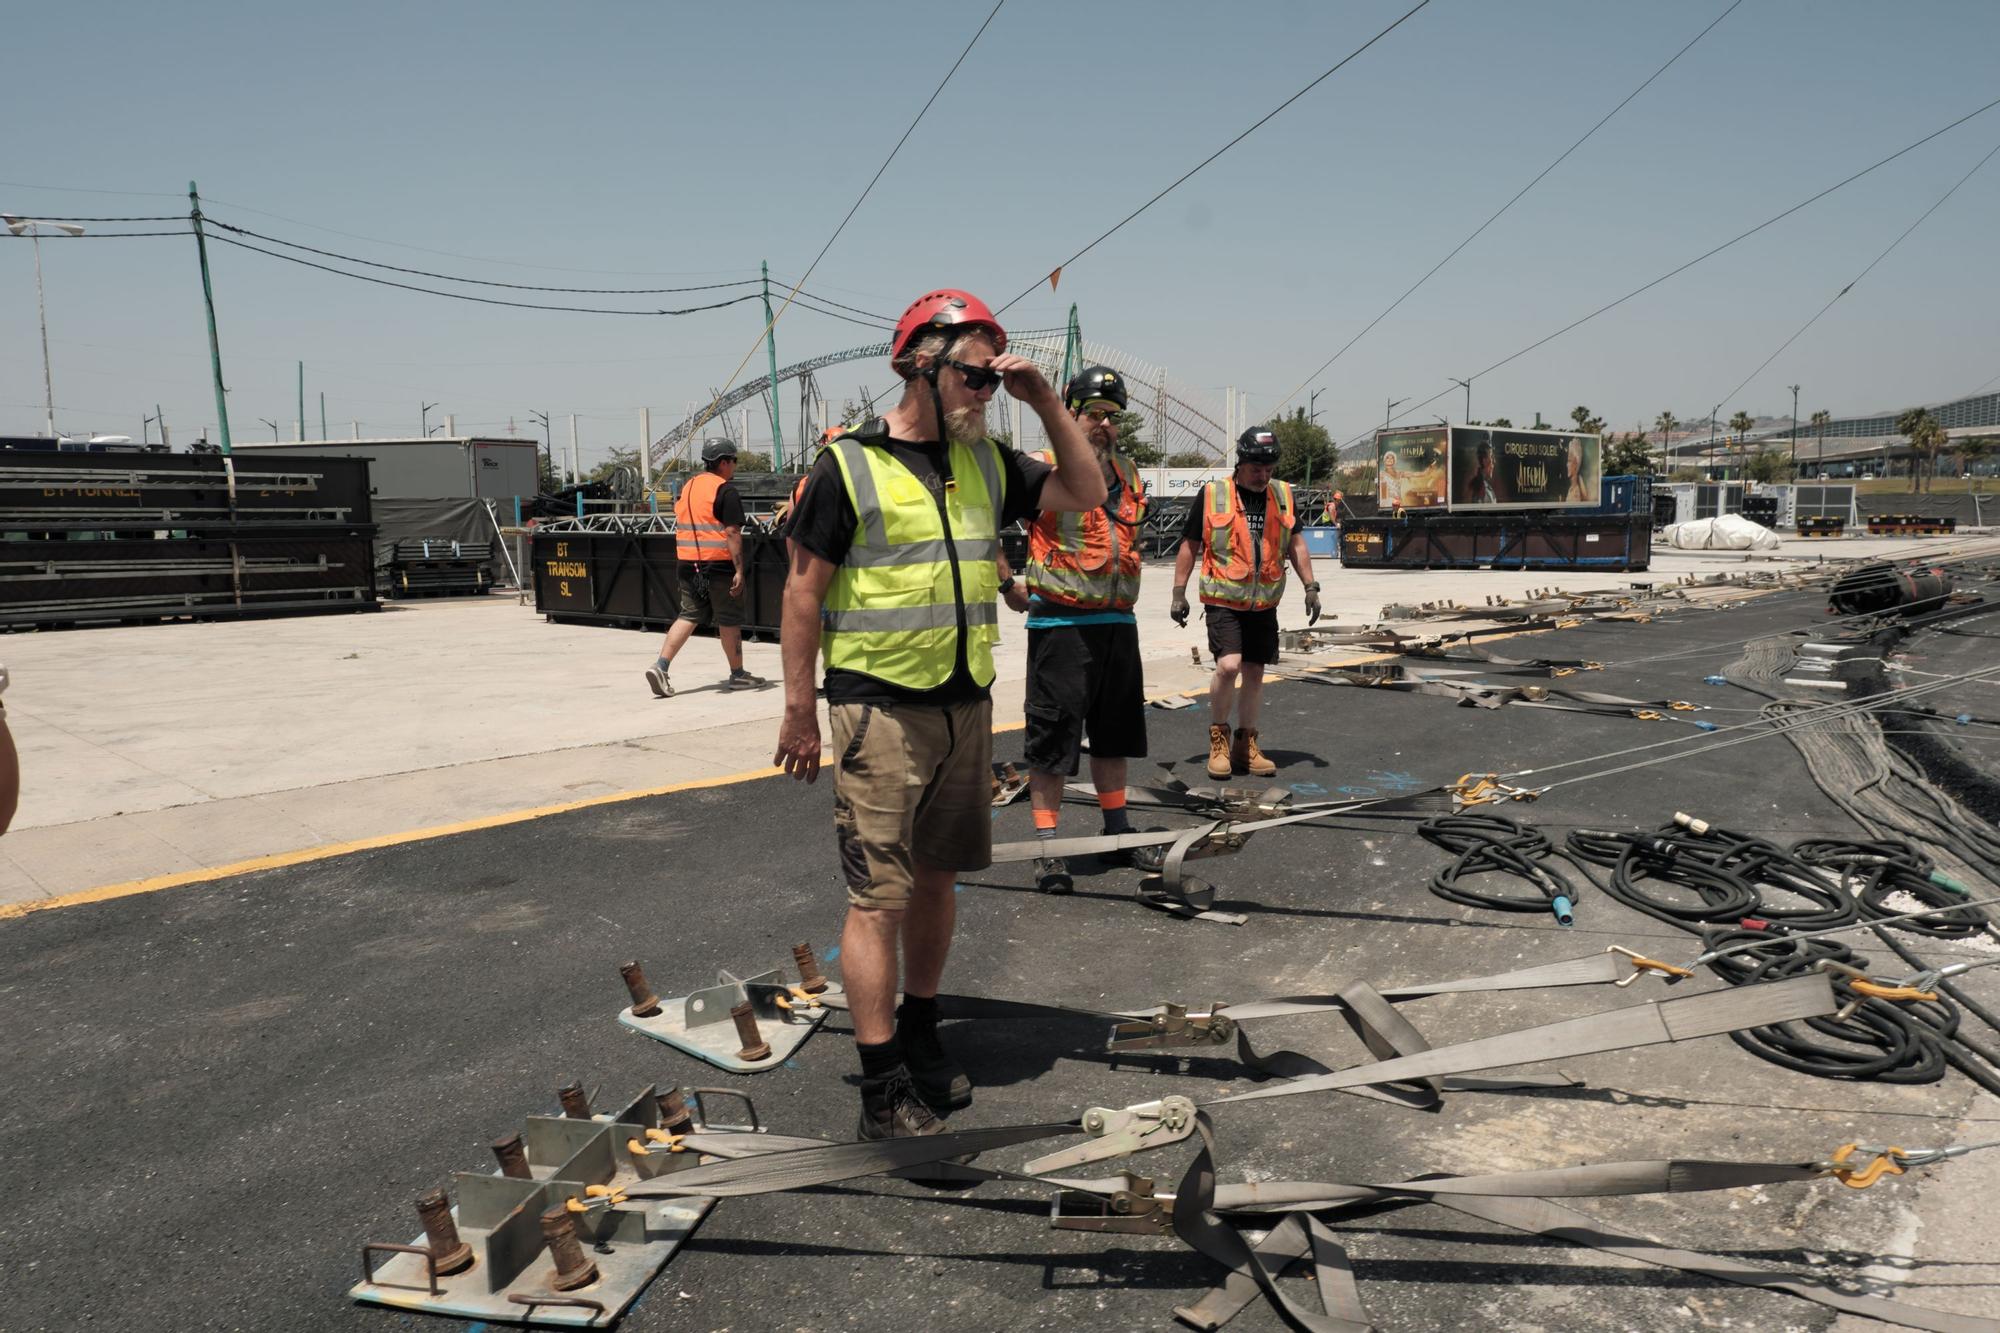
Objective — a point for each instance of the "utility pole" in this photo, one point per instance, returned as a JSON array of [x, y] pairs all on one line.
[[34, 227], [424, 420], [302, 400], [322, 414], [1711, 437], [161, 417], [575, 466], [771, 346], [208, 299], [548, 442], [1312, 405], [645, 451], [1795, 432], [1467, 386]]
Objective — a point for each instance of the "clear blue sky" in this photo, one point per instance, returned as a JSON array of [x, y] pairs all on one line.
[[661, 144]]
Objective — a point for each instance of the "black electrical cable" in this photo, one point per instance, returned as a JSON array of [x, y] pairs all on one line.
[[1261, 122], [1483, 843], [478, 282], [50, 217], [1682, 268], [1729, 888], [98, 235], [482, 300]]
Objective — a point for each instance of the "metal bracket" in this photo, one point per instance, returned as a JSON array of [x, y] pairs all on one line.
[[1132, 1208], [1173, 1026], [1116, 1133], [699, 1022], [1486, 789]]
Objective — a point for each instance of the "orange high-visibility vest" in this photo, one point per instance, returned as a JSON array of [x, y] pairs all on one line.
[[699, 538], [1232, 574], [1090, 561]]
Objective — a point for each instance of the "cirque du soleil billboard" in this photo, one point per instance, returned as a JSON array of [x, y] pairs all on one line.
[[1474, 467]]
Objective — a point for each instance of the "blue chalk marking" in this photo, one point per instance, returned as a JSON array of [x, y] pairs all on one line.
[[830, 954], [1308, 789]]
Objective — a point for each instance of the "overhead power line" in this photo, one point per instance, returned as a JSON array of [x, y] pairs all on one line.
[[467, 296], [51, 217], [95, 235], [477, 282], [862, 198], [1682, 268], [1260, 123], [1453, 253], [1856, 280]]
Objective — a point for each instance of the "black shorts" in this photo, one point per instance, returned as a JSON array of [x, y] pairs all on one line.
[[1254, 634], [1084, 676], [705, 598]]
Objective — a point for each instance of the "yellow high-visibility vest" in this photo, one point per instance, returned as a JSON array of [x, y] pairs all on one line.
[[896, 603]]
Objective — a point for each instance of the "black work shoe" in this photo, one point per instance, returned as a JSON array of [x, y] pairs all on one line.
[[891, 1109], [937, 1078], [1147, 859], [1052, 875]]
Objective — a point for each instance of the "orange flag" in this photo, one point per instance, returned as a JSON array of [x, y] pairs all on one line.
[[1055, 276]]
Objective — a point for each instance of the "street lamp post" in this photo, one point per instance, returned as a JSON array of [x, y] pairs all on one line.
[[1795, 432], [424, 419], [32, 227], [1467, 386], [1389, 411], [274, 428]]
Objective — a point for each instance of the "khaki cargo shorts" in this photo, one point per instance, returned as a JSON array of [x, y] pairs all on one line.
[[910, 784]]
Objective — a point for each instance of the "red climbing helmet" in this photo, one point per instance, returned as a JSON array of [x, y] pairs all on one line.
[[956, 312]]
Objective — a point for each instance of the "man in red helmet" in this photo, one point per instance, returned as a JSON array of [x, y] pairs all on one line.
[[894, 546]]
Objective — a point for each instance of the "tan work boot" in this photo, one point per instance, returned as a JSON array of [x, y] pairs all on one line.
[[1218, 751], [1245, 757]]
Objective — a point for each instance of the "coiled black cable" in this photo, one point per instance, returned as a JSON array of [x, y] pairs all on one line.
[[1488, 844], [1732, 890]]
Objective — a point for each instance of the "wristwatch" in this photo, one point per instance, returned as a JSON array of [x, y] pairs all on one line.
[[1007, 584]]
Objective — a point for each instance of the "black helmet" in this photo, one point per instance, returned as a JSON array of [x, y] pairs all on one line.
[[1259, 444], [715, 449], [1096, 382]]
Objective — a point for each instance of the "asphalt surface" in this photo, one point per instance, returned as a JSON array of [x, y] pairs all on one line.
[[216, 1093]]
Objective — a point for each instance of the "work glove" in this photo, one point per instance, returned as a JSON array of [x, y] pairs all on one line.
[[1179, 610], [1312, 604]]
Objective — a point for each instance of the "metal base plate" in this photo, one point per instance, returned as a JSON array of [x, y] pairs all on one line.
[[631, 1257], [717, 1043]]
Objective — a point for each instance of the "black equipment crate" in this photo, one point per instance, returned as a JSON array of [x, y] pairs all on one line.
[[72, 581], [141, 492], [1822, 525], [632, 579], [1523, 540], [439, 567], [1911, 525]]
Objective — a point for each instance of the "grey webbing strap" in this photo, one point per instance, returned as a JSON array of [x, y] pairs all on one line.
[[1602, 1179], [769, 1173], [1545, 1218], [1383, 1031], [1198, 1225], [1590, 970], [1288, 1241], [1650, 1024], [1029, 851]]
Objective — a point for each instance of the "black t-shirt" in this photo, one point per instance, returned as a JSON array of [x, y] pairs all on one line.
[[729, 513], [1254, 504], [824, 520]]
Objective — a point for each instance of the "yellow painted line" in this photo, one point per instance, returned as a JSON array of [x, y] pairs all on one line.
[[278, 860], [154, 883]]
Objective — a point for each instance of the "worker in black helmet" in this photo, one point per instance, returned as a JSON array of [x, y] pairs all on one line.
[[1243, 530], [1084, 671], [708, 543]]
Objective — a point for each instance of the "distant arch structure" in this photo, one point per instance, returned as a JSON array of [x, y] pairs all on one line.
[[1179, 418]]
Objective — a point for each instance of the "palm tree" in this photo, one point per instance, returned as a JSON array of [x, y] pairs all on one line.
[[1912, 425], [1821, 420], [1665, 423], [1740, 425]]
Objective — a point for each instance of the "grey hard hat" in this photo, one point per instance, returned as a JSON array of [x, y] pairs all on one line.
[[716, 449]]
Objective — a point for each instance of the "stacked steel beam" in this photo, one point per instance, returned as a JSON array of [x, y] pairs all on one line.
[[89, 538]]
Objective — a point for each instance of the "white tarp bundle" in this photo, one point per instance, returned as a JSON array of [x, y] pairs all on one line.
[[1731, 532]]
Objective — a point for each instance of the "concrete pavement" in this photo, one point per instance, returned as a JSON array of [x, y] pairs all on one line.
[[167, 750]]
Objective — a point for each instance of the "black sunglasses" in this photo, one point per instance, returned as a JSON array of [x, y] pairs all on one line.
[[976, 377]]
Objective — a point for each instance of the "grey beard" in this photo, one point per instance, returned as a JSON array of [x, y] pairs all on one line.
[[967, 425]]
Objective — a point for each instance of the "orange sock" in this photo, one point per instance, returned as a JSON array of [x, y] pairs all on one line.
[[1111, 800], [1045, 822]]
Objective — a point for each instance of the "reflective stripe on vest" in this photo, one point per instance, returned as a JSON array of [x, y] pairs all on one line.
[[698, 537], [895, 604], [1090, 561], [1231, 574]]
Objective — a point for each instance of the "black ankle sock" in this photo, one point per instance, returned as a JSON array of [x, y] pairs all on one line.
[[917, 1011], [881, 1060], [1117, 821]]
